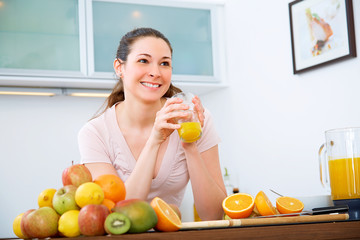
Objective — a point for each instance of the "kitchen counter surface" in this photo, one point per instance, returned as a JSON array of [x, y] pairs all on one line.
[[330, 230]]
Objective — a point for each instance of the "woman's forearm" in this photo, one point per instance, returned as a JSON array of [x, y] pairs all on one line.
[[139, 182], [206, 181]]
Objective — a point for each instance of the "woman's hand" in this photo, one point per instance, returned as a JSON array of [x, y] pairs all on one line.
[[165, 123], [199, 109]]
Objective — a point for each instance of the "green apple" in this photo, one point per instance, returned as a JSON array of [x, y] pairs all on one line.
[[64, 199]]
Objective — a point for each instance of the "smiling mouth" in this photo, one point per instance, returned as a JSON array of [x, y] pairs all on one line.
[[150, 85]]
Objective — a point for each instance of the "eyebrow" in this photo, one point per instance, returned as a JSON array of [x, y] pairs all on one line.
[[148, 55]]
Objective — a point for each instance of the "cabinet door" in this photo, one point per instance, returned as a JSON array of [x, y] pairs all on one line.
[[41, 35], [189, 29], [72, 43]]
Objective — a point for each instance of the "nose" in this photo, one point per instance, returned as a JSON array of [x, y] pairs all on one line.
[[154, 71]]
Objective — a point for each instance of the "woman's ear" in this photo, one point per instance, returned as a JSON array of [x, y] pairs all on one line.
[[117, 67]]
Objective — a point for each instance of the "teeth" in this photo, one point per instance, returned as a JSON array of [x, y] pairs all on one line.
[[150, 85]]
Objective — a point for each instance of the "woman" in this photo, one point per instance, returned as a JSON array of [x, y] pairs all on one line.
[[134, 137]]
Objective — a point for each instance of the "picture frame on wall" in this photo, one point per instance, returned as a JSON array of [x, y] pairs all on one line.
[[322, 32]]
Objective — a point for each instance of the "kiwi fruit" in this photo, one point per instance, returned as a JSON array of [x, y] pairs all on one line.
[[117, 223]]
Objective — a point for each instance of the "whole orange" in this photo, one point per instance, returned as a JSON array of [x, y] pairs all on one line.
[[113, 187], [109, 204]]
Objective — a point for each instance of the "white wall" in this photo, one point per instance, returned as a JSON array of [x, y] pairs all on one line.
[[271, 121], [279, 118], [38, 141]]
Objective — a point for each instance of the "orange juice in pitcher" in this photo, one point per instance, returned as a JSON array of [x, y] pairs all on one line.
[[344, 176], [339, 159]]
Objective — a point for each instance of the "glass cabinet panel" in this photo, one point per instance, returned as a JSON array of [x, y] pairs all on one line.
[[73, 43], [188, 30], [39, 34]]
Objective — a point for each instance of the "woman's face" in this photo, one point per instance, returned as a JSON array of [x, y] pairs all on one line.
[[147, 72]]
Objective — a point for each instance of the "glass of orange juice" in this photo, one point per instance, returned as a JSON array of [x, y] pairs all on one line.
[[339, 160], [190, 130]]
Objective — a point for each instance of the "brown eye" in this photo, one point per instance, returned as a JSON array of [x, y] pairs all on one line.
[[165, 64]]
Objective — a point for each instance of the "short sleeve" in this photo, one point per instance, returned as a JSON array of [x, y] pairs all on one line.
[[92, 146], [209, 137]]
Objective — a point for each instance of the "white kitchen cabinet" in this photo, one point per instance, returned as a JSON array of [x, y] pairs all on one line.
[[40, 36], [72, 43]]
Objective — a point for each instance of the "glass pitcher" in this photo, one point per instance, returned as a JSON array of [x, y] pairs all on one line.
[[339, 159]]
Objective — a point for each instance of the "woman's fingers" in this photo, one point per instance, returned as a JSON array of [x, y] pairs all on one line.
[[199, 109], [165, 118], [171, 116], [173, 109], [174, 104]]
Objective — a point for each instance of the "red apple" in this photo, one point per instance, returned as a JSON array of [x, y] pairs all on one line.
[[76, 175], [91, 219], [64, 199], [24, 224], [40, 223]]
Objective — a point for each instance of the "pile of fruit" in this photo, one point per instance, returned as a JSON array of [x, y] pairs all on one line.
[[95, 207], [92, 207], [243, 205]]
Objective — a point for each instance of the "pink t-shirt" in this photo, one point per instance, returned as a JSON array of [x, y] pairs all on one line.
[[101, 141]]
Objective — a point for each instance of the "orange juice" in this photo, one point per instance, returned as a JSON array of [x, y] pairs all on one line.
[[196, 215], [190, 131], [345, 178]]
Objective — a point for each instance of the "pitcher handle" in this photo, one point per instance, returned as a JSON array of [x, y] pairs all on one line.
[[323, 166]]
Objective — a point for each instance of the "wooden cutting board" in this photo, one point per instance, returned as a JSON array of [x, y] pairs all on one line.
[[263, 221]]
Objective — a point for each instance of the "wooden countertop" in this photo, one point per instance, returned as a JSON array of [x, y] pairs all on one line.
[[330, 230]]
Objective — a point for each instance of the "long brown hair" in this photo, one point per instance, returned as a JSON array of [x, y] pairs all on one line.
[[124, 48]]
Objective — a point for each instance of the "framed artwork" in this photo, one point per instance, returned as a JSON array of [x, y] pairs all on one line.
[[322, 32]]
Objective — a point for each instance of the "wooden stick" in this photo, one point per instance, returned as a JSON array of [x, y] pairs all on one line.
[[264, 221]]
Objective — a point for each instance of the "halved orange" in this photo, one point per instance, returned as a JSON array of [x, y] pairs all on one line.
[[168, 220], [289, 205], [176, 209], [238, 205], [264, 205]]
